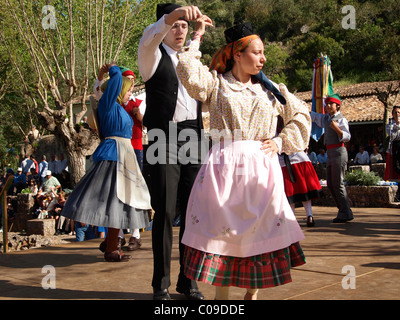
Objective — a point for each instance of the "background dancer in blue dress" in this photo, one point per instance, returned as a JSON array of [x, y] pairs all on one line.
[[113, 193]]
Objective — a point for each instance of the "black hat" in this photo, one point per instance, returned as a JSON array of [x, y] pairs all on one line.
[[166, 8], [238, 31]]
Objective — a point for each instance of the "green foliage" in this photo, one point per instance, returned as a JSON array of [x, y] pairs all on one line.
[[60, 64], [294, 33], [276, 65], [304, 29], [361, 178]]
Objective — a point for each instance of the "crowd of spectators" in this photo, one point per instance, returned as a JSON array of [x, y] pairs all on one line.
[[364, 155], [49, 184]]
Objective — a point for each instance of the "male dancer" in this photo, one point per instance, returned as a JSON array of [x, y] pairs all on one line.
[[170, 109], [336, 134]]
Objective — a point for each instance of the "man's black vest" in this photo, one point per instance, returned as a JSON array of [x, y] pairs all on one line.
[[161, 97]]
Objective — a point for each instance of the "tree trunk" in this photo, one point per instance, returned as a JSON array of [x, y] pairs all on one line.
[[77, 165], [78, 144]]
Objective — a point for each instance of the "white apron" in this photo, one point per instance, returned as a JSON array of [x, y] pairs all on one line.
[[131, 186]]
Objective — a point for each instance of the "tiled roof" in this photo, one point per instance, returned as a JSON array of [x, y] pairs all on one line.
[[359, 101], [360, 109]]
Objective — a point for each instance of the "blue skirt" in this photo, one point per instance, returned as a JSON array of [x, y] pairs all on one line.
[[94, 201]]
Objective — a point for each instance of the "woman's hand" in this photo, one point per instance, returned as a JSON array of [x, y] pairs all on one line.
[[189, 13], [103, 70], [201, 24], [269, 146], [109, 65], [136, 113]]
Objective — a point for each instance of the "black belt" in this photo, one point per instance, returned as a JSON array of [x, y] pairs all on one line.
[[289, 167]]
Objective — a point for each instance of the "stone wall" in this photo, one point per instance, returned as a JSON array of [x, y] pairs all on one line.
[[379, 168], [17, 241], [25, 203], [43, 227], [363, 196]]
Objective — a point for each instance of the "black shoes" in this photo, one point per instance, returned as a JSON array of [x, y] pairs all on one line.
[[310, 221], [191, 294], [162, 294], [340, 220]]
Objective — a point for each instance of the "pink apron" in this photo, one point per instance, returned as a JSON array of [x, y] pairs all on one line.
[[238, 205]]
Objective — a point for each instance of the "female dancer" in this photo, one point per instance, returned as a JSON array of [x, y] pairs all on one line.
[[301, 182], [113, 193], [240, 229]]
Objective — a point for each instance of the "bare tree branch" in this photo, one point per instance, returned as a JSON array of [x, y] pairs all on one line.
[[111, 31], [123, 35], [25, 86]]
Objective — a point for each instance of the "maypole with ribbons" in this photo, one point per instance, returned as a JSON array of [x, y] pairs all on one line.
[[321, 88]]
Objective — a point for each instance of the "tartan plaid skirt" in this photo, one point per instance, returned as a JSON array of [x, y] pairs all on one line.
[[261, 271]]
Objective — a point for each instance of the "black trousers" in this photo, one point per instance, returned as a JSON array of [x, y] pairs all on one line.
[[170, 185]]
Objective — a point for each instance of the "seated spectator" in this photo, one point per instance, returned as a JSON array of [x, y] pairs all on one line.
[[64, 224], [362, 157], [60, 201], [50, 185], [33, 186], [84, 231], [19, 181], [11, 207], [51, 200], [322, 157], [46, 205], [312, 156], [33, 176], [33, 135], [375, 156], [55, 211]]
